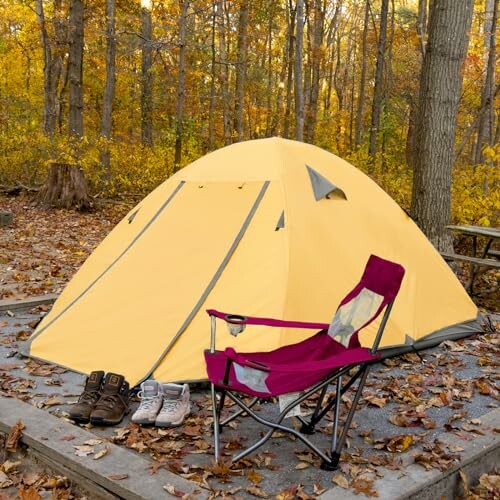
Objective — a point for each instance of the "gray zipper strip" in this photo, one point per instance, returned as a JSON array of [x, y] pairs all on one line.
[[213, 281]]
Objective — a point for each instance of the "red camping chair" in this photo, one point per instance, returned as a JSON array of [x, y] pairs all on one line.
[[309, 366]]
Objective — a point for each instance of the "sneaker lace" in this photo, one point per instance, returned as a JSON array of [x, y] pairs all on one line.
[[146, 401], [169, 405]]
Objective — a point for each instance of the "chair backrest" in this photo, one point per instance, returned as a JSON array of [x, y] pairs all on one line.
[[377, 288]]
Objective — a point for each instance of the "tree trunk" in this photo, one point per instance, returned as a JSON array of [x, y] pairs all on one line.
[[241, 70], [411, 140], [440, 90], [66, 187], [109, 88], [485, 129], [362, 80], [299, 89], [289, 80], [224, 75], [146, 77], [75, 122], [316, 61], [211, 106], [181, 86], [378, 93], [52, 67]]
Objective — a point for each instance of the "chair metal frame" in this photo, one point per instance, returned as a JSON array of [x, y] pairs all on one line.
[[329, 460]]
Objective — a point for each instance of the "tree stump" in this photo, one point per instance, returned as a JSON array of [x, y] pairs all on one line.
[[66, 187]]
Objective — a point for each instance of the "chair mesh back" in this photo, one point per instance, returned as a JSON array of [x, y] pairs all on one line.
[[378, 286]]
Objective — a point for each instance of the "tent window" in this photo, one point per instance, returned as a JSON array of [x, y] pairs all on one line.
[[322, 187], [132, 216], [281, 221], [350, 317]]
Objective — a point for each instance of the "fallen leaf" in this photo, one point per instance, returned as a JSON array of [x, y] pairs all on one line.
[[254, 477], [257, 492], [5, 481], [118, 477], [83, 450], [9, 466], [29, 494], [365, 486], [14, 437], [301, 465], [93, 442], [101, 453], [171, 489], [340, 480]]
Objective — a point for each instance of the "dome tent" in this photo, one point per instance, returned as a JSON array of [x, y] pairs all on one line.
[[271, 228]]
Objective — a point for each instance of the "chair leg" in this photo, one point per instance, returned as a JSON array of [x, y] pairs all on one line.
[[216, 414], [332, 464], [308, 427]]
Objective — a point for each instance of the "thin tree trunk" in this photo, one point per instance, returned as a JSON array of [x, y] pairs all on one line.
[[289, 82], [362, 79], [52, 66], [146, 77], [316, 62], [269, 68], [411, 140], [75, 122], [241, 70], [211, 106], [440, 89], [109, 88], [378, 92], [226, 122], [299, 89], [485, 130], [181, 86]]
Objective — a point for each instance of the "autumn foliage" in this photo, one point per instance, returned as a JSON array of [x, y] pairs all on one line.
[[338, 47]]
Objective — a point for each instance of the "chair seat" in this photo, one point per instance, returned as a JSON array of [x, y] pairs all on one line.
[[287, 369]]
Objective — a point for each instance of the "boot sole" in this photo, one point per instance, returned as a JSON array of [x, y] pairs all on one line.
[[105, 422], [172, 424], [80, 420]]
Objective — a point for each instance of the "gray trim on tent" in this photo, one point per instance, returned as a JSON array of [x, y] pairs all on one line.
[[213, 281], [322, 187], [453, 332], [281, 221], [27, 346]]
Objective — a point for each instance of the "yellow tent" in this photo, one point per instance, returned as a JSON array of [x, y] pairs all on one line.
[[271, 228]]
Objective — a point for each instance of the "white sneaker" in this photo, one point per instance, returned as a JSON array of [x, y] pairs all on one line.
[[151, 400], [176, 406]]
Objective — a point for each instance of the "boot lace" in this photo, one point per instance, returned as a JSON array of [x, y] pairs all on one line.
[[109, 401], [89, 397]]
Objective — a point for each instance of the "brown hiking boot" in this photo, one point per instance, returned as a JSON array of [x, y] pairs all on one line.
[[113, 403], [80, 412]]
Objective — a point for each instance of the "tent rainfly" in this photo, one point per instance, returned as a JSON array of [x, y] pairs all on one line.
[[272, 228]]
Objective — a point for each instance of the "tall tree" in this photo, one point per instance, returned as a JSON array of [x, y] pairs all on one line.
[[146, 74], [52, 66], [75, 70], [439, 94], [224, 73], [358, 134], [213, 76], [378, 91], [299, 84], [486, 124], [241, 70], [290, 64], [181, 85], [109, 87]]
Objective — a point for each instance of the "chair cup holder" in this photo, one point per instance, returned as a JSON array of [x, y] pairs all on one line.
[[235, 323]]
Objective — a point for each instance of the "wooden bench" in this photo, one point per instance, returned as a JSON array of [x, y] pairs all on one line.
[[493, 264], [475, 264]]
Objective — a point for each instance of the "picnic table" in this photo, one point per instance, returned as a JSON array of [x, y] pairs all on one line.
[[481, 259]]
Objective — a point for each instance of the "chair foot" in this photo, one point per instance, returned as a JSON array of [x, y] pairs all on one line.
[[307, 429], [332, 464]]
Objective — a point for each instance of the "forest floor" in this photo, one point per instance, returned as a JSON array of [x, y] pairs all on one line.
[[408, 402]]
